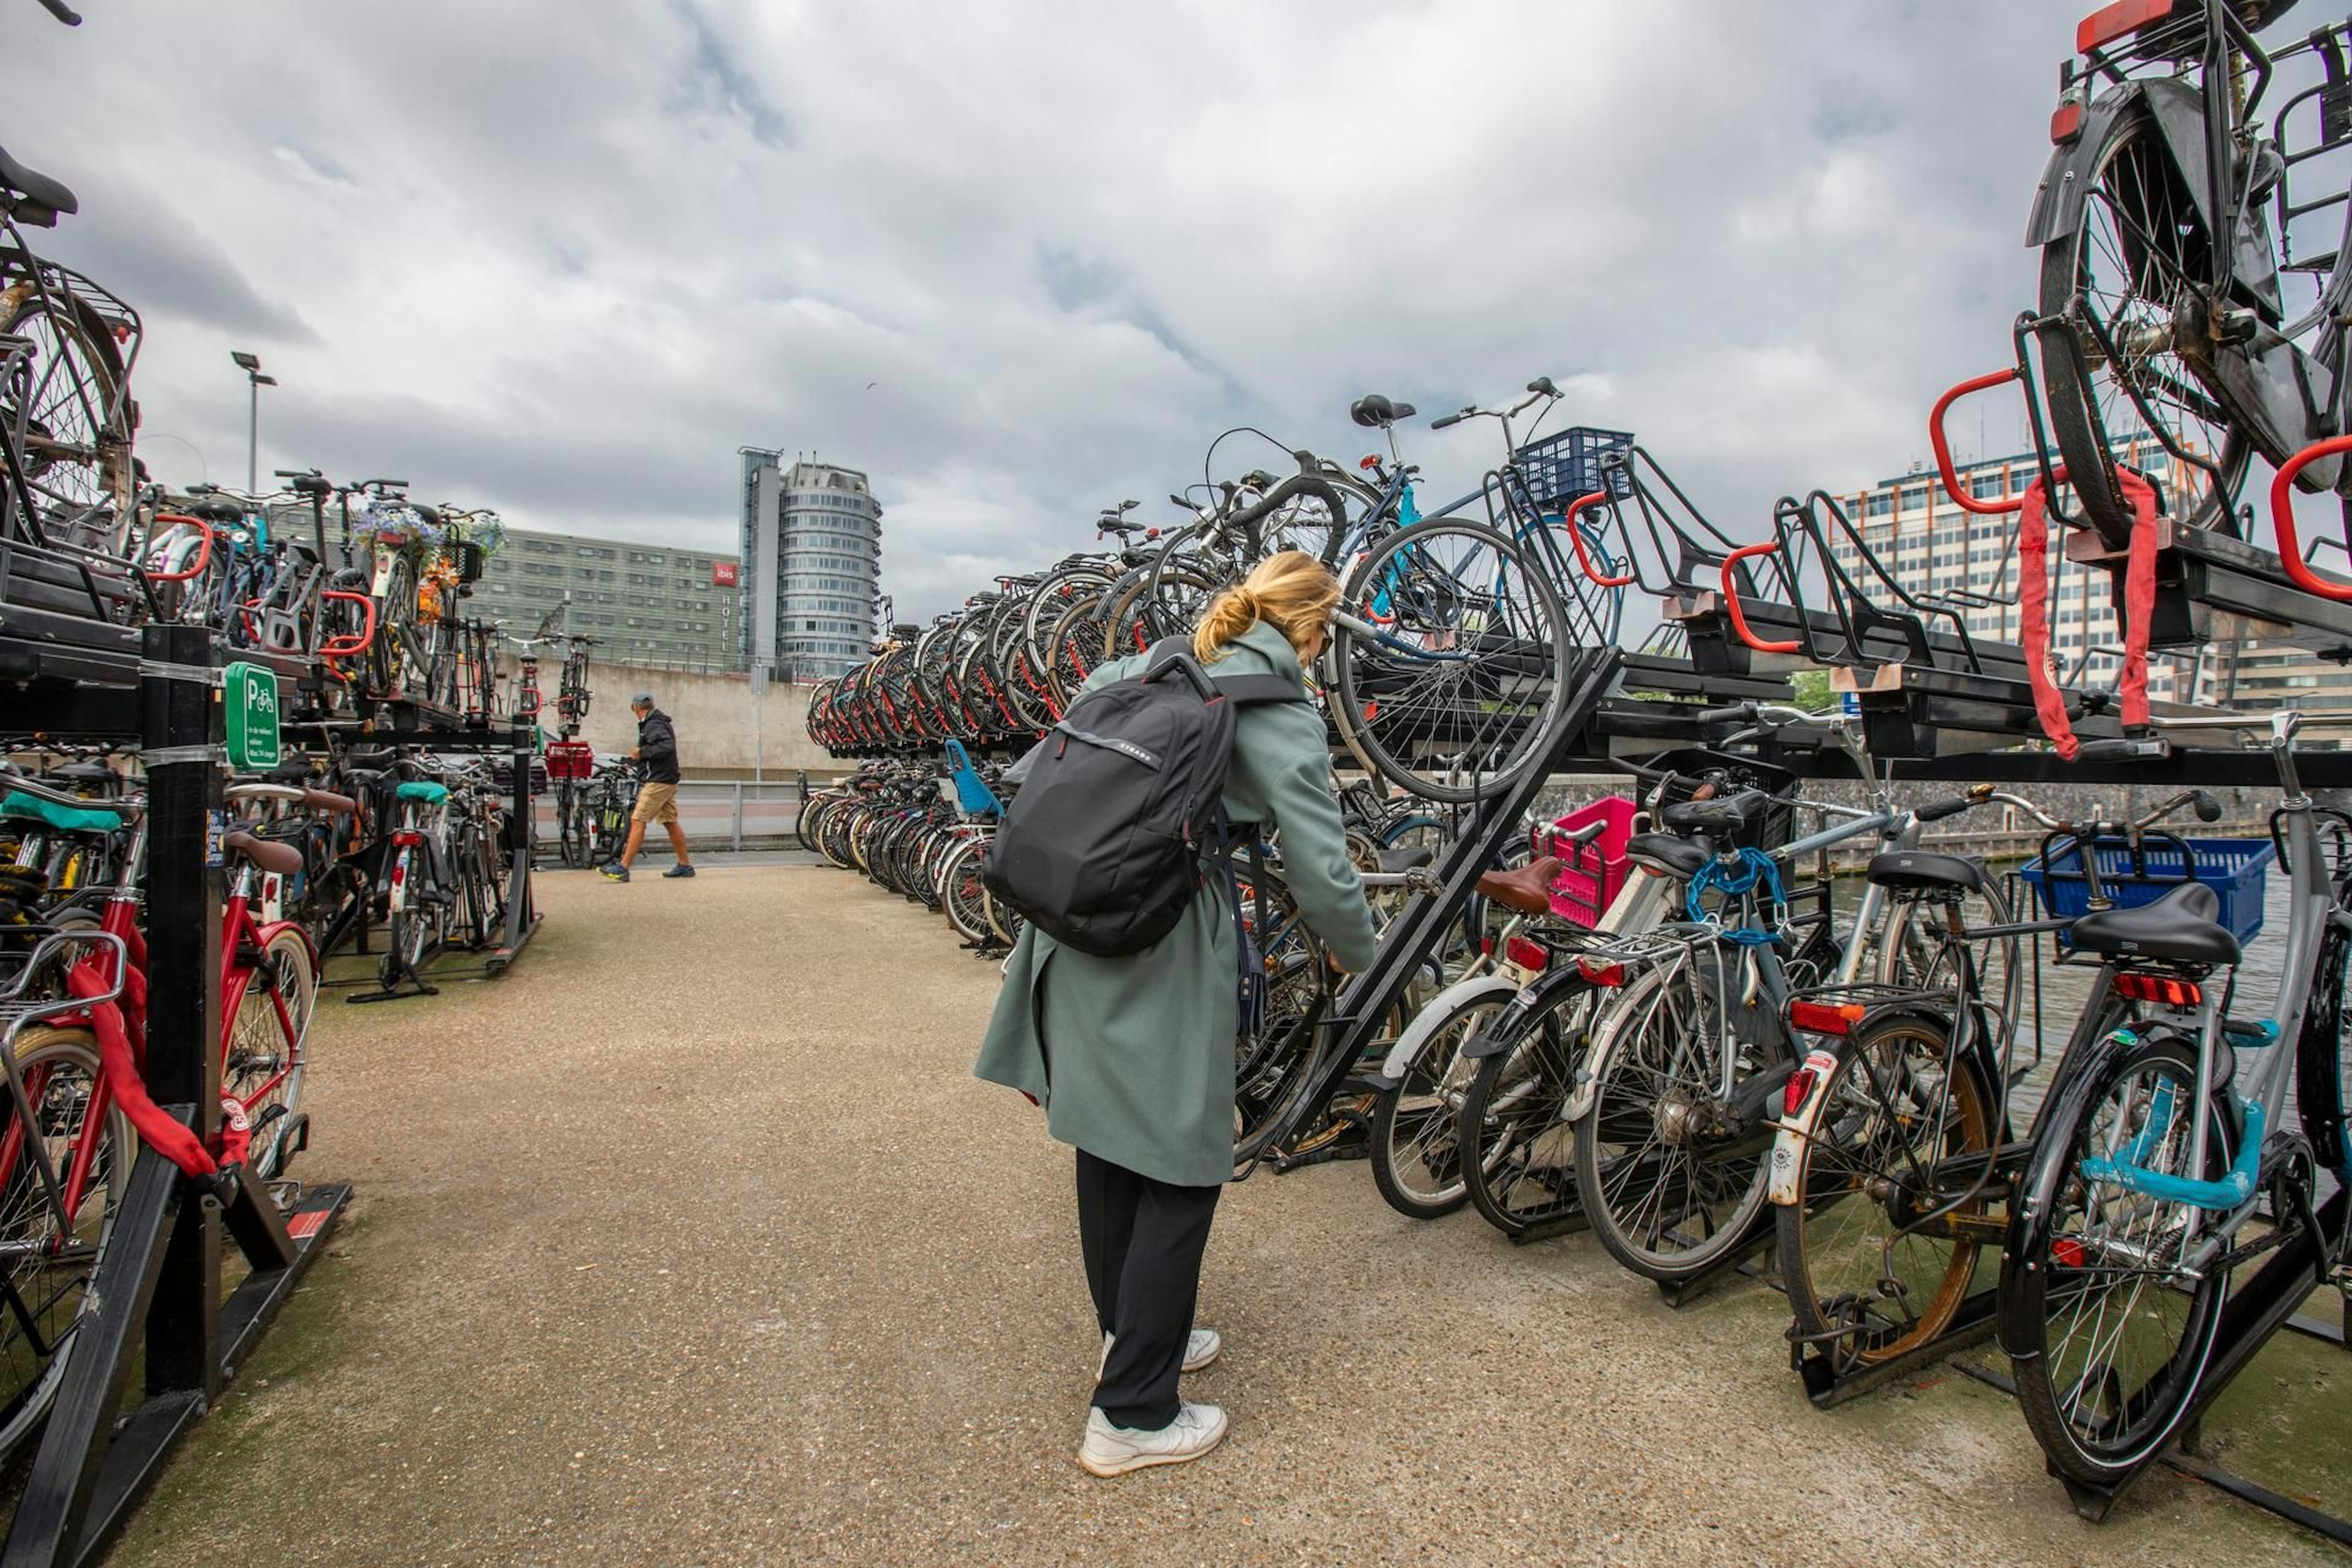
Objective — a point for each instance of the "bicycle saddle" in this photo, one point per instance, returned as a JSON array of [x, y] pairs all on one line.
[[282, 858], [2183, 927], [34, 198], [1405, 857], [377, 760], [218, 510], [1913, 871], [1527, 890], [1374, 412], [1716, 816], [1665, 852], [86, 772], [351, 579]]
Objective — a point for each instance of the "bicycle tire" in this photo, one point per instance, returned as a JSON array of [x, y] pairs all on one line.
[[1446, 724], [54, 1284], [1519, 1175], [2052, 1254], [257, 1045], [1416, 1127], [1863, 1289], [2132, 169], [2322, 1057]]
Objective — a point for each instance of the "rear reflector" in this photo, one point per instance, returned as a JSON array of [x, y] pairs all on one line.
[[2169, 989], [1825, 1017], [1602, 973], [1800, 1085], [408, 838], [1527, 954], [2067, 1252], [2112, 22], [2066, 123]]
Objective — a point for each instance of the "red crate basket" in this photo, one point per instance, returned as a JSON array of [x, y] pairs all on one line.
[[570, 759], [1589, 873]]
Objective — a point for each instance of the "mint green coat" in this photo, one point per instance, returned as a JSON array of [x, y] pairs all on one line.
[[1133, 1057]]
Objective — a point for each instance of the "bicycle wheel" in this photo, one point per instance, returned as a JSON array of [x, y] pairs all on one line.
[[1871, 1269], [1521, 1169], [2108, 1331], [51, 1266], [75, 460], [2322, 1058], [1416, 1149], [1460, 682], [962, 896], [269, 1010], [1669, 1179], [2138, 274]]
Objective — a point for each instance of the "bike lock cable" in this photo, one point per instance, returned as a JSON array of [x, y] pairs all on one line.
[[2033, 606], [161, 1131], [1756, 868]]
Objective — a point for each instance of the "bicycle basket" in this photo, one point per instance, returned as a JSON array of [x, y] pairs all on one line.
[[1591, 873], [2236, 869], [1559, 468], [570, 759]]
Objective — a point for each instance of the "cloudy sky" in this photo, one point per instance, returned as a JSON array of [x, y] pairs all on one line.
[[563, 257]]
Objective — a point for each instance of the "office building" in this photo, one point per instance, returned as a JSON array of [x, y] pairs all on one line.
[[812, 553], [645, 604]]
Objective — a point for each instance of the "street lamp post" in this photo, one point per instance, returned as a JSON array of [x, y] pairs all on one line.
[[255, 381]]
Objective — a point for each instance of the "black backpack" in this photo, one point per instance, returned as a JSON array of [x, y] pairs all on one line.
[[1101, 848]]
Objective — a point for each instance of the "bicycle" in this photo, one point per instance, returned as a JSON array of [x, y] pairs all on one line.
[[2138, 1201]]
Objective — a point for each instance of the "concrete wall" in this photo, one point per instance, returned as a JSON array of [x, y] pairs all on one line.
[[721, 730]]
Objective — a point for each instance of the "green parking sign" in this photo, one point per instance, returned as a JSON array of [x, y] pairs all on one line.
[[249, 693]]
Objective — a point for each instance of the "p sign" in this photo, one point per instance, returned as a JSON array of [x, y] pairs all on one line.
[[249, 695]]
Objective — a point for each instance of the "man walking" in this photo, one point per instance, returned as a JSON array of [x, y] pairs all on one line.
[[657, 796]]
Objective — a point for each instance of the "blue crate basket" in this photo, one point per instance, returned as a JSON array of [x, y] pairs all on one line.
[[2235, 868], [1559, 468]]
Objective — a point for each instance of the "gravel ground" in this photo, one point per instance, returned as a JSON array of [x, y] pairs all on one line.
[[694, 1241]]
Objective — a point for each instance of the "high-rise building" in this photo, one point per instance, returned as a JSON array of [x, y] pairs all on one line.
[[1927, 542], [645, 604], [811, 548]]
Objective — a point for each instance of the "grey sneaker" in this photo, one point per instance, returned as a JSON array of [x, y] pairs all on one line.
[[1112, 1450], [680, 870], [1202, 1346]]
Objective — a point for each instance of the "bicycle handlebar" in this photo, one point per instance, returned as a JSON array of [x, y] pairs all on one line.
[[1283, 490], [59, 10], [1446, 421]]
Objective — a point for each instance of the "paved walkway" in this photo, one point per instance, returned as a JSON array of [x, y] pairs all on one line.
[[693, 1242]]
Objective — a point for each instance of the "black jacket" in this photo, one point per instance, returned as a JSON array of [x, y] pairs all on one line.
[[657, 748]]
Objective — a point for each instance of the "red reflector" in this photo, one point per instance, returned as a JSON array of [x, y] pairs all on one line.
[[1602, 973], [2067, 1252], [408, 838], [1800, 1084], [1527, 954], [1487, 946], [1825, 1017], [2111, 22], [1371, 462], [2170, 990], [2066, 123]]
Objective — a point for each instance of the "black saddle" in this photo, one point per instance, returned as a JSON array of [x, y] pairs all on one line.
[[2182, 927], [221, 511], [1678, 856], [1916, 871], [1405, 857], [1374, 412], [34, 198], [1720, 815], [86, 772]]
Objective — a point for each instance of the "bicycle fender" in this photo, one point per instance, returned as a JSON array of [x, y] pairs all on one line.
[[2179, 114], [1797, 1131], [1415, 1039], [1608, 1037], [2037, 1185], [1532, 1002]]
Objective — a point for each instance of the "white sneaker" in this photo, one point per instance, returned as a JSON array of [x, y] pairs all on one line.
[[1113, 1450], [1202, 1346]]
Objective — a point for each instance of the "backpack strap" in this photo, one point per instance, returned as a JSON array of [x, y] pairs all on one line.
[[1242, 690]]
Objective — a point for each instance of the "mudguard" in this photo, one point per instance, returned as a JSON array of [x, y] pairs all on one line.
[[1415, 1039], [2179, 114], [1532, 1002], [1826, 1053], [2029, 1211]]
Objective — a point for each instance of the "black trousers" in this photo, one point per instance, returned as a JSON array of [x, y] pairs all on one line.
[[1143, 1241]]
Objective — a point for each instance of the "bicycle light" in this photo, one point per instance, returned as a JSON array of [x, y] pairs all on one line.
[[1825, 1017], [1527, 954]]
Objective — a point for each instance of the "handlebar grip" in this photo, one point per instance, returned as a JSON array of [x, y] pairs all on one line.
[[59, 10], [2125, 749], [1941, 809], [2207, 808], [1443, 420], [1737, 713]]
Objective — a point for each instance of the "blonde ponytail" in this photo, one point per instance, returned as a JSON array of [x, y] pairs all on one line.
[[1291, 591]]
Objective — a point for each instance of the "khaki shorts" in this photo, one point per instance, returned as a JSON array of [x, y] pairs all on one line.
[[656, 803]]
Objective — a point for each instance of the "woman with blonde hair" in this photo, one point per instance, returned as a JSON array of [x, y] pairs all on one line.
[[1133, 1057]]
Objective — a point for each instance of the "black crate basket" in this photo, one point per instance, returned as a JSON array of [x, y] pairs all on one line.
[[1559, 468]]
